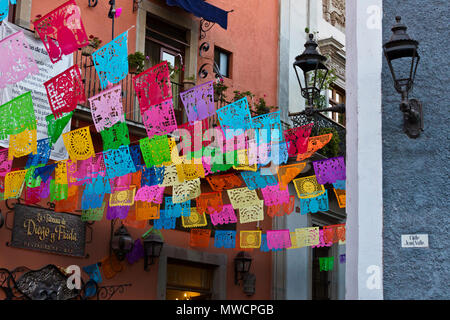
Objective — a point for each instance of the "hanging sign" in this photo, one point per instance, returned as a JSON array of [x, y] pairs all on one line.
[[48, 231]]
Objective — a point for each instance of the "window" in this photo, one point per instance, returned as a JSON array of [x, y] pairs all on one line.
[[188, 280], [336, 96], [223, 60], [165, 42]]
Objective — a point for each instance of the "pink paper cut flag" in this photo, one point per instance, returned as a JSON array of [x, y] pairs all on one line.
[[160, 119], [17, 60], [278, 239], [62, 31]]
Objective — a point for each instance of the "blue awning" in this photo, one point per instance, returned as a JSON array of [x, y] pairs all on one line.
[[203, 10]]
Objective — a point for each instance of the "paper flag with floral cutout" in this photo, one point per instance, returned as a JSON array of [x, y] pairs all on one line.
[[255, 180], [176, 210], [111, 60], [62, 31], [235, 118], [268, 128], [153, 194], [326, 263], [45, 172], [136, 253], [223, 161], [209, 200], [339, 184], [79, 144], [224, 182], [115, 136], [153, 176], [297, 139], [160, 118], [135, 151], [95, 214], [30, 180], [117, 212], [278, 239], [118, 162], [294, 244], [170, 177], [341, 197], [322, 243], [314, 144], [111, 266], [22, 144], [107, 108], [5, 164], [264, 247], [243, 197], [155, 151], [43, 154], [17, 115], [272, 195], [199, 101], [14, 182], [307, 237], [225, 239], [90, 198], [146, 210], [281, 209], [58, 191], [55, 127], [65, 91], [194, 138], [94, 272], [188, 172], [195, 220], [200, 238], [32, 195], [225, 216], [252, 213], [45, 189], [153, 86], [329, 170], [308, 187], [164, 222], [250, 239], [187, 190], [244, 163], [314, 204], [17, 59], [334, 233], [71, 203], [4, 8], [174, 153], [122, 198], [130, 220]]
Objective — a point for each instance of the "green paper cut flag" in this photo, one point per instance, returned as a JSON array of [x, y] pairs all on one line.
[[17, 115], [58, 191], [155, 151], [55, 127], [115, 136], [326, 263]]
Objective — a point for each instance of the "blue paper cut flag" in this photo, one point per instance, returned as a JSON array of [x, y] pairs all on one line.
[[225, 239], [111, 60], [118, 162], [42, 155]]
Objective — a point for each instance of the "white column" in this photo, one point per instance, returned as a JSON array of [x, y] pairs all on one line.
[[364, 150]]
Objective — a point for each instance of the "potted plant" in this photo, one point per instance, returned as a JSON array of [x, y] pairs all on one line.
[[36, 18], [136, 62], [219, 91], [94, 44]]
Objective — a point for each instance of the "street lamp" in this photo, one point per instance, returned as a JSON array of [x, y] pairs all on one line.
[[152, 248], [242, 264], [121, 243], [402, 57], [312, 64]]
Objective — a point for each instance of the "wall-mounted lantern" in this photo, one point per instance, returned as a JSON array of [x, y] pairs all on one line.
[[249, 284], [402, 57], [153, 244], [121, 243], [242, 264]]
